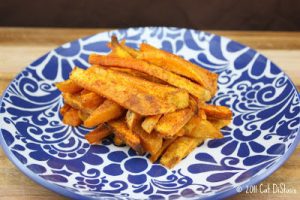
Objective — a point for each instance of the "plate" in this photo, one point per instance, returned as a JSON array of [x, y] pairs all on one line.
[[263, 134]]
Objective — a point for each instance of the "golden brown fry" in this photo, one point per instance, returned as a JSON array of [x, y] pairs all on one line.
[[178, 150], [172, 95], [117, 50], [153, 70], [68, 86], [132, 119], [71, 117], [91, 100], [170, 123], [137, 74], [64, 109], [96, 135], [82, 115], [107, 111], [150, 122], [165, 145], [219, 123], [133, 52], [118, 141], [125, 95], [216, 112], [151, 142], [74, 100], [120, 129], [198, 128], [179, 66]]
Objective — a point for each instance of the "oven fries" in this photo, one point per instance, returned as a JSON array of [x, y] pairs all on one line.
[[149, 99]]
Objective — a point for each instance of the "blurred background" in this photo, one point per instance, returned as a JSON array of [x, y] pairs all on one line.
[[198, 14]]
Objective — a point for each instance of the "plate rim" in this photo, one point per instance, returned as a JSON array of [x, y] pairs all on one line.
[[221, 195]]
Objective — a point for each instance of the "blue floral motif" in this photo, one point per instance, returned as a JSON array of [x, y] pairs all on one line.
[[265, 126], [137, 167], [238, 141]]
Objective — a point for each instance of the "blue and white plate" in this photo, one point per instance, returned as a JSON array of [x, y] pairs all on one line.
[[263, 134]]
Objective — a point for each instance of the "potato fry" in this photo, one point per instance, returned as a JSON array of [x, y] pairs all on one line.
[[120, 129], [71, 117], [216, 112], [165, 145], [107, 111], [178, 150], [68, 86], [151, 142], [96, 135], [179, 66], [91, 100], [219, 123], [125, 95], [133, 52], [117, 50], [118, 141], [170, 123], [64, 109], [74, 101], [153, 70], [172, 95], [132, 119], [82, 115], [150, 122], [138, 74], [202, 129]]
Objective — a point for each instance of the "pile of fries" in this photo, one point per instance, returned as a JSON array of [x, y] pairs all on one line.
[[148, 99]]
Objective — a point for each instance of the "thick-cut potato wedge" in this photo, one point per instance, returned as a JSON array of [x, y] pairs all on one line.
[[202, 129], [118, 141], [153, 70], [68, 86], [91, 100], [71, 117], [219, 123], [216, 112], [74, 100], [170, 123], [107, 111], [165, 145], [151, 142], [138, 74], [132, 119], [96, 135], [172, 95], [150, 122], [179, 66], [83, 115], [125, 95], [178, 150], [120, 129], [64, 109]]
